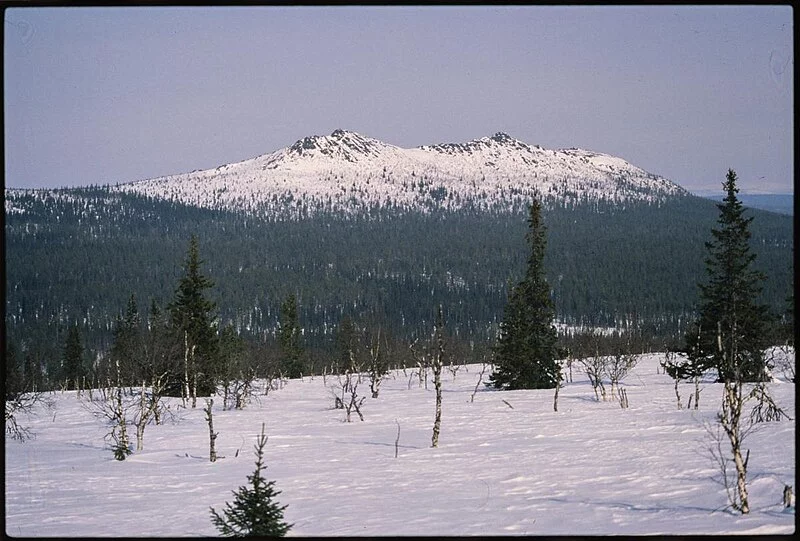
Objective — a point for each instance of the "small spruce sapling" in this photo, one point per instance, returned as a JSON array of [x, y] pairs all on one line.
[[254, 511]]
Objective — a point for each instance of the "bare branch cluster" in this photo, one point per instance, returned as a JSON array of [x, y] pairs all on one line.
[[22, 403], [765, 408], [782, 359], [239, 391], [594, 368], [617, 367], [120, 407], [346, 393]]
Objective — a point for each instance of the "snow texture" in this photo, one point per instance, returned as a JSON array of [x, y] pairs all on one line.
[[592, 468]]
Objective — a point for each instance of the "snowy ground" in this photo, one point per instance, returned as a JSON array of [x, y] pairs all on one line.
[[592, 468]]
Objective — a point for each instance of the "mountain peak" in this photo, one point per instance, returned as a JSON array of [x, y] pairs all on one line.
[[342, 144], [340, 133], [502, 137]]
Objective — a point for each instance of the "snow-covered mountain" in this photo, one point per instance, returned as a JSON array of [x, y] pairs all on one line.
[[347, 172]]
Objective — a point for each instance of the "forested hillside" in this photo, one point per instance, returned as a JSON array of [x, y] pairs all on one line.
[[779, 203], [77, 255]]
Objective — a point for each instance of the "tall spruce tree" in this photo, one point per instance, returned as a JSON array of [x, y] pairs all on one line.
[[72, 369], [33, 371], [127, 346], [15, 379], [526, 349], [346, 344], [254, 511], [289, 339], [194, 327], [732, 330], [159, 349]]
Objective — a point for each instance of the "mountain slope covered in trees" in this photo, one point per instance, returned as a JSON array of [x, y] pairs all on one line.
[[75, 256]]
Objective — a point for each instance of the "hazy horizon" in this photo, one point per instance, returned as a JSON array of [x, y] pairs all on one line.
[[105, 95]]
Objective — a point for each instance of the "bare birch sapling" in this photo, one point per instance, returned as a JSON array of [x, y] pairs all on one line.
[[437, 360], [212, 436]]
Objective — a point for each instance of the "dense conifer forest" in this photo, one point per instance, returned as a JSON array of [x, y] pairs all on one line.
[[76, 256]]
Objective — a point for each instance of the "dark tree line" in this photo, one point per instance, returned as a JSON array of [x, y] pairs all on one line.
[[182, 351], [606, 266]]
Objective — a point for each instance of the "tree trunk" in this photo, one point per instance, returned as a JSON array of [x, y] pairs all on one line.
[[555, 397], [185, 388], [157, 387], [480, 378], [437, 383], [397, 443], [438, 359], [212, 436], [194, 386], [731, 420], [139, 437], [121, 422], [741, 480], [142, 421]]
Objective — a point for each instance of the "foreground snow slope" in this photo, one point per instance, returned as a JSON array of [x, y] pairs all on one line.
[[591, 468]]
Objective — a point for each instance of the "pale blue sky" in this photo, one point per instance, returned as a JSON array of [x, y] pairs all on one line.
[[107, 95]]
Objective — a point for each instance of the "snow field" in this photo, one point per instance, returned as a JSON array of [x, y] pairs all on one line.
[[592, 468]]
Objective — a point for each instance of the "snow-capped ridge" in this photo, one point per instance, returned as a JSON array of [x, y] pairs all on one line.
[[349, 172]]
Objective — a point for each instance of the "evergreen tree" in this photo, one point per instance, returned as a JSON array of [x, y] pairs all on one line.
[[127, 343], [33, 371], [160, 351], [15, 381], [346, 344], [238, 373], [731, 332], [72, 359], [254, 511], [232, 349], [191, 321], [289, 339], [526, 350]]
